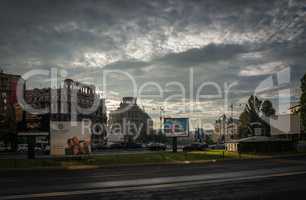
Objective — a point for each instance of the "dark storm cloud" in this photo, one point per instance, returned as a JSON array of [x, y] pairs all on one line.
[[56, 29], [209, 54], [224, 41], [129, 64]]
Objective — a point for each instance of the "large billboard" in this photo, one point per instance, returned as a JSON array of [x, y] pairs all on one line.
[[176, 127], [69, 138]]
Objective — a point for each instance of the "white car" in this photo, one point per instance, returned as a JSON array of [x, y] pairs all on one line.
[[22, 148], [37, 148], [4, 148]]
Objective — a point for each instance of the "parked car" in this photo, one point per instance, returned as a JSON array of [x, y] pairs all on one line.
[[4, 148], [22, 148], [115, 146], [46, 149], [217, 146], [195, 147], [156, 147], [98, 147], [134, 146], [38, 148]]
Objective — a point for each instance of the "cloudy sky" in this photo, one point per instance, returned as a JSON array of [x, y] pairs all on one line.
[[164, 44]]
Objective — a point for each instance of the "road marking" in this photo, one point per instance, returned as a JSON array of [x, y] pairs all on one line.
[[287, 161], [152, 186]]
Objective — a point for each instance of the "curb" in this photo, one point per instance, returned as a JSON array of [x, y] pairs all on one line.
[[88, 167]]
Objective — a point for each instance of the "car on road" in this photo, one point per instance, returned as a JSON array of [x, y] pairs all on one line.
[[38, 148], [156, 147], [217, 146], [115, 146], [195, 147], [98, 147], [134, 146], [46, 149], [4, 148], [21, 148]]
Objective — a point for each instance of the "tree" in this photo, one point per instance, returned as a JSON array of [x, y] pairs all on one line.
[[256, 111], [244, 119], [303, 100], [267, 108]]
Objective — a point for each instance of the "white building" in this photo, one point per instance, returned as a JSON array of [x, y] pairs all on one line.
[[286, 125], [226, 129]]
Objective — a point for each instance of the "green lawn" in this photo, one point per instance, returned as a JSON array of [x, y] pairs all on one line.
[[125, 159], [157, 157]]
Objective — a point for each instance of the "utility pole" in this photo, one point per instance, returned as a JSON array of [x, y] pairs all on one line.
[[232, 122], [174, 144], [161, 117], [224, 122], [174, 139]]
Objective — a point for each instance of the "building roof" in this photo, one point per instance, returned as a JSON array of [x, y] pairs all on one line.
[[10, 75], [298, 105], [257, 139]]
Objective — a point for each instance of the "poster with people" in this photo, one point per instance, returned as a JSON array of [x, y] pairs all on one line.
[[76, 146], [69, 138], [176, 127]]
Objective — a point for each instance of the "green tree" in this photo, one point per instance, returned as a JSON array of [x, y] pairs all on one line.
[[303, 100], [267, 108], [244, 119], [256, 111]]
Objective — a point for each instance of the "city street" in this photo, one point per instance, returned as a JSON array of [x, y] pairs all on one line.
[[241, 179], [158, 99]]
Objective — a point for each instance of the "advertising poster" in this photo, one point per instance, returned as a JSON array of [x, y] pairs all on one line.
[[176, 127], [18, 113], [69, 138]]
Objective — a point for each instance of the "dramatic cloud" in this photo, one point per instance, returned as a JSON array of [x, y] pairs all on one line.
[[263, 69], [159, 41]]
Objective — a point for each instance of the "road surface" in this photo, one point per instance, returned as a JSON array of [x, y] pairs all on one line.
[[246, 179]]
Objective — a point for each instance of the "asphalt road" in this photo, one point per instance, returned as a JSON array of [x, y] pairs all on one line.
[[247, 179]]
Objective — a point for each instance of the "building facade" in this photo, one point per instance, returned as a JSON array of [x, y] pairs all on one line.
[[8, 87], [68, 103], [74, 101], [10, 110], [226, 129], [130, 120], [288, 125]]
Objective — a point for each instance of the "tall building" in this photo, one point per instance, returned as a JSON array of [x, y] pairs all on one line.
[[64, 104], [131, 119], [10, 111], [226, 129], [100, 118], [37, 99], [288, 125], [8, 86], [75, 94], [60, 104]]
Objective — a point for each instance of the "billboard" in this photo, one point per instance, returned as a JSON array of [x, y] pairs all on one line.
[[69, 138], [176, 127]]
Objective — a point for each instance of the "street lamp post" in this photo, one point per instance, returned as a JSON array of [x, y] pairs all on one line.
[[161, 117]]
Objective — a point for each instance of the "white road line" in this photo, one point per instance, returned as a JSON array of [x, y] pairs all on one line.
[[153, 186]]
